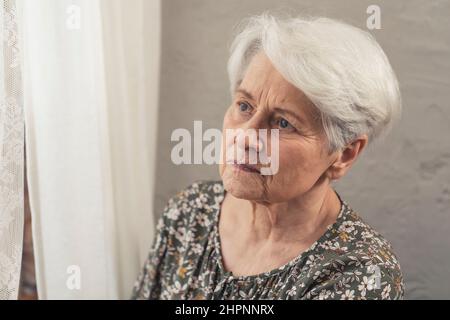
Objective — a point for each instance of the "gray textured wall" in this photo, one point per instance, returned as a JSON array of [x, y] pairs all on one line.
[[401, 187]]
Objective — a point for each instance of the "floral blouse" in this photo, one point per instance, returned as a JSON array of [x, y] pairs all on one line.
[[349, 261]]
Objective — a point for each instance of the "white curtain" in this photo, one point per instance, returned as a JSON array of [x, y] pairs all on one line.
[[90, 71], [11, 153]]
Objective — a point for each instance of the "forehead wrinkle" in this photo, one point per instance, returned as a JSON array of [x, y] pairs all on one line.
[[269, 92], [266, 74], [275, 100]]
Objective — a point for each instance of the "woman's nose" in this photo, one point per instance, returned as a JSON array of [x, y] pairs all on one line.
[[248, 135], [250, 141]]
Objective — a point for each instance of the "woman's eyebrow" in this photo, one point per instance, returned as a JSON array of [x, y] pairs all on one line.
[[245, 93], [291, 113], [278, 109]]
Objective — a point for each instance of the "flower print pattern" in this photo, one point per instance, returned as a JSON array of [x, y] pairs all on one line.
[[350, 260]]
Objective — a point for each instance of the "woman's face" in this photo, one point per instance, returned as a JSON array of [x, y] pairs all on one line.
[[265, 100]]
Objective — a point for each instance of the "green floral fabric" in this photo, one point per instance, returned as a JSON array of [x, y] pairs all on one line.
[[349, 261]]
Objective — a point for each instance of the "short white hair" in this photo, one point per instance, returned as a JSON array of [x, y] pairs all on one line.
[[340, 68]]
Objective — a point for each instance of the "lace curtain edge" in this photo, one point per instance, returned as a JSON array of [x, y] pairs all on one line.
[[11, 154]]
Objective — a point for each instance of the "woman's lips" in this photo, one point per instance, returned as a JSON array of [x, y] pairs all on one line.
[[246, 167]]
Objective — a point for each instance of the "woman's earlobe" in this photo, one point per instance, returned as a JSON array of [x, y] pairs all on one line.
[[331, 172], [335, 170]]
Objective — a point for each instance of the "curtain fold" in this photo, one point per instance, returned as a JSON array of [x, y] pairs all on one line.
[[11, 154], [91, 72]]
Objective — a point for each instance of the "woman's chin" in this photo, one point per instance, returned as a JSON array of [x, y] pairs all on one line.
[[243, 185]]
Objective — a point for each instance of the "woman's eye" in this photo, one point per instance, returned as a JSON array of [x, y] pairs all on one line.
[[284, 124], [244, 107]]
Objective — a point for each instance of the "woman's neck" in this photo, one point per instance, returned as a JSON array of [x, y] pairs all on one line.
[[302, 219]]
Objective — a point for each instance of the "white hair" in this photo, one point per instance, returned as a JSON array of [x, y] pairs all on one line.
[[340, 68]]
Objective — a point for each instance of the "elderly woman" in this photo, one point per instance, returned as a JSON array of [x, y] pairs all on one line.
[[329, 89]]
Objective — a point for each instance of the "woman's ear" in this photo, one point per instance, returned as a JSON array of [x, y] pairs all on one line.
[[346, 157]]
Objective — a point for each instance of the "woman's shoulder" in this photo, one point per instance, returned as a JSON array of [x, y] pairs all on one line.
[[200, 194], [355, 258], [364, 241], [199, 200]]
